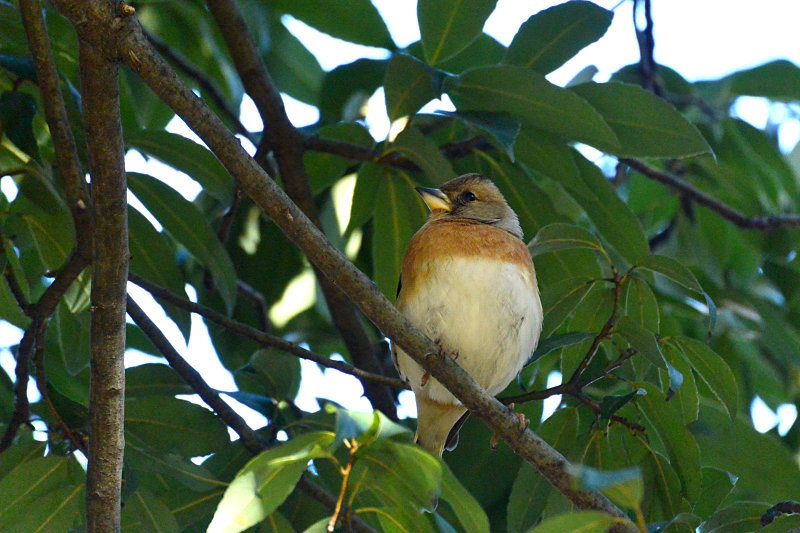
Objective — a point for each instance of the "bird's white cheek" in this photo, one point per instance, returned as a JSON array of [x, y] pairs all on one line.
[[486, 311]]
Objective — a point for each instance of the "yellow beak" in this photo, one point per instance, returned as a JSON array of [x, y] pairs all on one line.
[[435, 199]]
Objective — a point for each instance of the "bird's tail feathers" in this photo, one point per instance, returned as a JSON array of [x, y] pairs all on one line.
[[434, 422]]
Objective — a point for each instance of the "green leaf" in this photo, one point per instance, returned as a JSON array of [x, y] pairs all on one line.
[[423, 151], [789, 523], [142, 459], [449, 26], [154, 379], [17, 110], [777, 80], [640, 303], [623, 487], [57, 510], [281, 373], [398, 214], [580, 522], [482, 52], [409, 85], [741, 517], [560, 300], [557, 342], [27, 482], [548, 39], [168, 424], [716, 485], [609, 405], [531, 490], [501, 128], [265, 482], [559, 236], [186, 224], [185, 155], [324, 169], [645, 125], [662, 486], [294, 70], [368, 183], [365, 427], [645, 343], [610, 215], [69, 338], [713, 370], [547, 154], [356, 21], [145, 512], [347, 88], [532, 99], [679, 444], [469, 512], [681, 275]]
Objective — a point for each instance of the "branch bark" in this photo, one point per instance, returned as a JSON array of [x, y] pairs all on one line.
[[286, 143], [100, 91]]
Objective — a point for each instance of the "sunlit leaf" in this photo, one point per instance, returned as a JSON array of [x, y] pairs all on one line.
[[449, 26]]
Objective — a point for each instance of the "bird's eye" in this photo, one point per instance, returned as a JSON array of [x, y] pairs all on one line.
[[468, 197]]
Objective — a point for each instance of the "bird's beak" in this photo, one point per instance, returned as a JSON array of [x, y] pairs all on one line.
[[435, 199]]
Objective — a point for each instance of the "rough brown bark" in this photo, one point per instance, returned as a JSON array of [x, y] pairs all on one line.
[[99, 82]]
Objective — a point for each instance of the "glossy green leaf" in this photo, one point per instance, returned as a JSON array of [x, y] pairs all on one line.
[[557, 342], [347, 88], [352, 20], [17, 110], [614, 221], [788, 523], [469, 512], [423, 151], [680, 446], [777, 80], [265, 482], [644, 124], [716, 485], [640, 303], [662, 486], [399, 213], [742, 517], [368, 183], [365, 427], [142, 459], [167, 424], [645, 343], [559, 236], [281, 373], [186, 224], [623, 487], [713, 370], [409, 85], [580, 522], [449, 26], [187, 156], [549, 38], [154, 379], [530, 490], [145, 512], [27, 482], [560, 300], [484, 51], [533, 100], [68, 336], [681, 275], [56, 510], [294, 70], [501, 128]]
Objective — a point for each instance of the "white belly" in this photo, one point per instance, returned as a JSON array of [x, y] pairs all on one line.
[[486, 311]]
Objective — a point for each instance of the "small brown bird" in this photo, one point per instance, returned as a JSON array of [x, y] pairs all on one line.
[[467, 282]]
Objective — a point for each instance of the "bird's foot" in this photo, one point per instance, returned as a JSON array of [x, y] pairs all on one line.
[[521, 418], [444, 352], [425, 377]]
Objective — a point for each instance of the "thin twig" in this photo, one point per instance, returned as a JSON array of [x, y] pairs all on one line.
[[648, 69], [265, 339], [250, 439], [16, 289], [352, 447], [22, 408], [316, 492], [767, 223], [259, 303]]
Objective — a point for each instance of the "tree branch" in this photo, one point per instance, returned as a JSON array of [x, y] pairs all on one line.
[[94, 24], [264, 339], [286, 143], [72, 176], [100, 95], [767, 223], [250, 439]]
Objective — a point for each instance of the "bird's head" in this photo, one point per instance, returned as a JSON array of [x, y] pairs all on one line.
[[471, 197]]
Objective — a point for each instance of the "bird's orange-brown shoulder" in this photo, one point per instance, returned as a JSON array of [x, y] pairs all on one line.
[[461, 238]]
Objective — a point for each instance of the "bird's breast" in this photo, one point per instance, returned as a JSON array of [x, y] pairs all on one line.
[[486, 310]]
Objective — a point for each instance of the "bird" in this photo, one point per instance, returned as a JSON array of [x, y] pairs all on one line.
[[468, 282]]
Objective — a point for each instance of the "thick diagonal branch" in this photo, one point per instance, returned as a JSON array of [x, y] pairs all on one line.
[[100, 91], [286, 144]]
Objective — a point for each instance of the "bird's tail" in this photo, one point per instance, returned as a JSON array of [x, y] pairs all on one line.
[[434, 422]]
